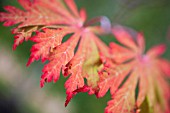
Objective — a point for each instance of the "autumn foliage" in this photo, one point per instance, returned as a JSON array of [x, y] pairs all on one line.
[[136, 79]]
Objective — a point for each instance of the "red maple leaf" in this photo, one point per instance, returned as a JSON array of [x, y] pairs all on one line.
[[52, 20], [129, 69], [124, 70]]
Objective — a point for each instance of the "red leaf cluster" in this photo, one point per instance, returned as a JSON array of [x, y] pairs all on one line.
[[134, 78]]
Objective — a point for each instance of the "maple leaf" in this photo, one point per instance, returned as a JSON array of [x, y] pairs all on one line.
[[52, 20], [123, 70], [127, 65]]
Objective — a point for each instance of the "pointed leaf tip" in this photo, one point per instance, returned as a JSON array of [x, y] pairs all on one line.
[[14, 47], [41, 83], [30, 60], [68, 99], [72, 94], [157, 50]]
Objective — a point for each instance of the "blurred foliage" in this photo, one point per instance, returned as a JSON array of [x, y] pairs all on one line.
[[10, 101], [151, 17]]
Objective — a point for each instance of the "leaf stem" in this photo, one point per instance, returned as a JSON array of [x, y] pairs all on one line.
[[104, 23]]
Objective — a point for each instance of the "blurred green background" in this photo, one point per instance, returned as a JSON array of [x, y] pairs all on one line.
[[19, 85]]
